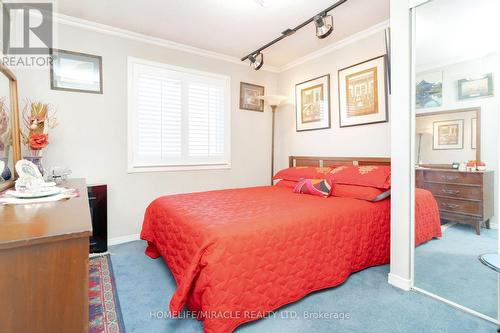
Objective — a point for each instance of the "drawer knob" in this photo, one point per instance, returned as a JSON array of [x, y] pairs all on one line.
[[449, 177], [452, 206], [450, 192]]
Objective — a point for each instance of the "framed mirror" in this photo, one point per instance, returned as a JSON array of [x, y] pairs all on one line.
[[10, 147], [447, 137], [455, 102]]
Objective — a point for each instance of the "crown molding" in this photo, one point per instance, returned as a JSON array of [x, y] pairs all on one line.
[[335, 46], [123, 33], [454, 61]]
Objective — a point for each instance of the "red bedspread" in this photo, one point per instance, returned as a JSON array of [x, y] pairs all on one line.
[[238, 254]]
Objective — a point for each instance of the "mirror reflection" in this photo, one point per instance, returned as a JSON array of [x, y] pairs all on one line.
[[6, 152], [447, 138], [456, 150]]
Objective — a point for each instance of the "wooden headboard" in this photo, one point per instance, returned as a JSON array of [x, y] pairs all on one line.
[[327, 161]]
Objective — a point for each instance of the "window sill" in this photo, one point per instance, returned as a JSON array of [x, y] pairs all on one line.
[[167, 168]]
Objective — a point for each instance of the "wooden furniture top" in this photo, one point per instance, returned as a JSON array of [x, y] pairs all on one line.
[[23, 225], [298, 161], [450, 170]]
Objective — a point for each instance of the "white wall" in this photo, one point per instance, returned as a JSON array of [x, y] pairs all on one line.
[[336, 141], [92, 136], [489, 105]]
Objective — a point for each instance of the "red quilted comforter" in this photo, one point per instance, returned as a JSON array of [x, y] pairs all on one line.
[[238, 254]]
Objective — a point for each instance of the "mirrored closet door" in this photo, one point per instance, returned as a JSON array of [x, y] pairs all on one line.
[[456, 65]]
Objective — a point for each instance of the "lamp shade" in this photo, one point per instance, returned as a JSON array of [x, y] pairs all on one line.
[[274, 99]]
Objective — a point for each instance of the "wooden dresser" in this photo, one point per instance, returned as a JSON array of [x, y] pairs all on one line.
[[44, 251], [463, 197]]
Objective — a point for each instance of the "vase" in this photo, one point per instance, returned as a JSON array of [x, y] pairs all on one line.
[[6, 174], [36, 160]]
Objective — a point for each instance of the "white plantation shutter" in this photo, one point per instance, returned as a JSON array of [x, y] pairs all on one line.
[[177, 117]]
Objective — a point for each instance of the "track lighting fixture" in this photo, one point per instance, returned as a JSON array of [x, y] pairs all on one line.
[[256, 60], [324, 27]]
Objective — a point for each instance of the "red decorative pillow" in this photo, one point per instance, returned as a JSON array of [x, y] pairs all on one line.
[[298, 173], [286, 183], [360, 192], [318, 187], [378, 176]]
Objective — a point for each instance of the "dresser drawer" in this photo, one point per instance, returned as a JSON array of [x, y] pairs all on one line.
[[460, 206], [455, 191], [453, 177]]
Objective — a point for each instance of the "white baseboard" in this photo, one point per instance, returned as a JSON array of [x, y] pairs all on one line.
[[399, 282], [123, 239]]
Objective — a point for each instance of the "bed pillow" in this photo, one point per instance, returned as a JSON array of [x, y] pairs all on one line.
[[360, 192], [318, 187], [298, 173], [378, 176], [286, 183]]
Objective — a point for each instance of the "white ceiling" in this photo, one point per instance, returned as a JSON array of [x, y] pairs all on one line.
[[232, 27], [451, 31]]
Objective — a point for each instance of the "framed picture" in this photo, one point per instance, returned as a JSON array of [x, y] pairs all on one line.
[[363, 93], [250, 97], [473, 131], [448, 134], [312, 104], [429, 90], [72, 71], [478, 87]]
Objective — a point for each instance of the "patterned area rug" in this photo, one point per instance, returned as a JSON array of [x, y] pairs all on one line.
[[104, 309]]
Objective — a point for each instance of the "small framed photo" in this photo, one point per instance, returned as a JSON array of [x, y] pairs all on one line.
[[363, 93], [429, 90], [448, 134], [72, 71], [312, 104], [250, 97], [478, 87]]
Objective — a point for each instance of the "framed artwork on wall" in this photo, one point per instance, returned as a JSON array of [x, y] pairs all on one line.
[[363, 93], [312, 104], [250, 97], [478, 87], [73, 71], [429, 90], [448, 134]]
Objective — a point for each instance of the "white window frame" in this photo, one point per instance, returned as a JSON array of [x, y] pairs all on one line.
[[131, 121]]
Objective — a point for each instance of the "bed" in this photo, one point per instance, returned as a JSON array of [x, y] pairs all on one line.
[[238, 254]]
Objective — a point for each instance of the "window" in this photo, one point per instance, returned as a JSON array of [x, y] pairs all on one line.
[[178, 118]]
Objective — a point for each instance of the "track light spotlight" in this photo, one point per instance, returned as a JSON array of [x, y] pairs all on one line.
[[256, 60], [324, 25]]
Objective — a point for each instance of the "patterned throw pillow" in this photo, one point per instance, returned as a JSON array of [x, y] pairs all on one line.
[[298, 173], [318, 187], [378, 176]]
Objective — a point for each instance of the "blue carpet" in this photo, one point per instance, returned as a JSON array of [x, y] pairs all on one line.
[[145, 286], [449, 267]]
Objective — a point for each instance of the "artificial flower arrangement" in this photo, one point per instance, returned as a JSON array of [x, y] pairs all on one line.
[[38, 118]]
